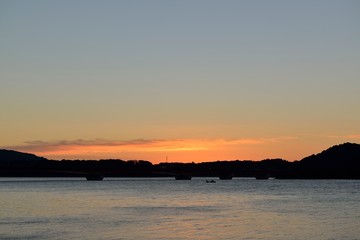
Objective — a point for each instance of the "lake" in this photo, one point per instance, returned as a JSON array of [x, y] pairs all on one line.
[[163, 208]]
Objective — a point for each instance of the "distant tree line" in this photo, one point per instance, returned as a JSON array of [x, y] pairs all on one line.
[[340, 161]]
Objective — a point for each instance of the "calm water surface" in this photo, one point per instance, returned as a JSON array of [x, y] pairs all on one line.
[[168, 209]]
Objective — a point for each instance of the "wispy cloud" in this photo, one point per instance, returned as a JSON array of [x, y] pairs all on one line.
[[349, 136], [80, 146], [102, 145], [44, 146]]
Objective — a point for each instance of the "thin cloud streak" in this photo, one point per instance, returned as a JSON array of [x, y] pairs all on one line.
[[80, 146], [349, 136], [137, 144]]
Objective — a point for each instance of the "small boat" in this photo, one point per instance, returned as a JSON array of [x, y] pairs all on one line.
[[94, 177], [210, 181], [183, 177]]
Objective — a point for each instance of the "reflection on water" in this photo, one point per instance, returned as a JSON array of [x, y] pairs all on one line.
[[169, 209]]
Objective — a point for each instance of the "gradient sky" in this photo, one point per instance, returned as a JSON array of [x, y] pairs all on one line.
[[187, 80]]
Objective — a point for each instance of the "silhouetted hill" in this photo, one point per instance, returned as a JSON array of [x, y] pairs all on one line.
[[18, 164], [339, 161], [14, 164], [343, 154], [14, 156]]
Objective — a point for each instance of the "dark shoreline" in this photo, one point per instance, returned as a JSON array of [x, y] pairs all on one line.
[[338, 162]]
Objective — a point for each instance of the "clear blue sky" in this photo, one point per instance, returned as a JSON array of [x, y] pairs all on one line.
[[277, 78]]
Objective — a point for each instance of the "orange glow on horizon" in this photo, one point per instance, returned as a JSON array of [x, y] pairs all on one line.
[[120, 147], [183, 150], [177, 150]]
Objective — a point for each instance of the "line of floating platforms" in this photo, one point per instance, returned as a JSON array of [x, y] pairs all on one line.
[[96, 177], [223, 177]]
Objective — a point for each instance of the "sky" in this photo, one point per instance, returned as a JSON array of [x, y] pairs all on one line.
[[179, 81]]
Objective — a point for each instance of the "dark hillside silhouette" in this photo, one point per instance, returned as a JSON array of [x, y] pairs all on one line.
[[339, 161], [13, 163], [346, 153], [11, 156]]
